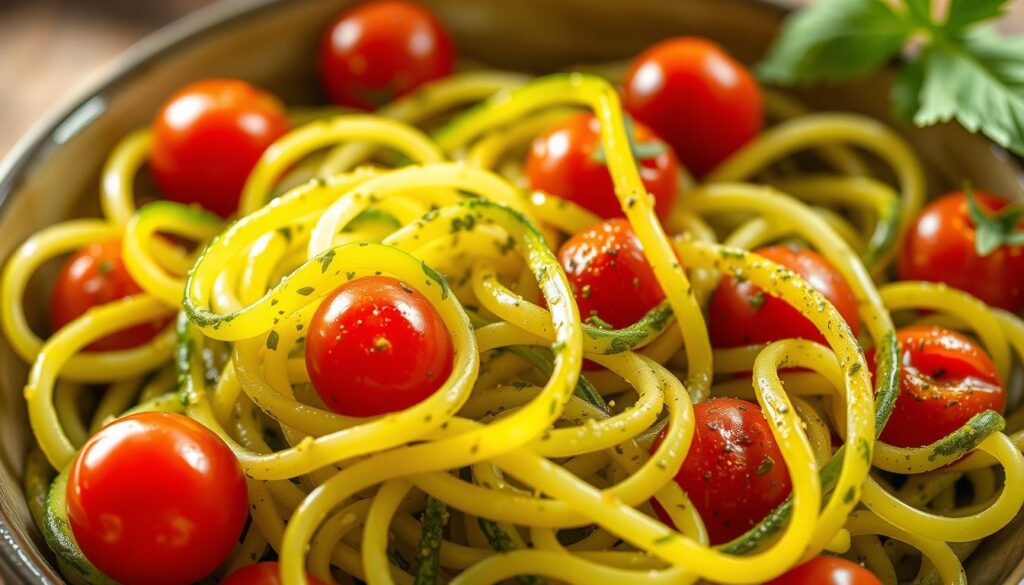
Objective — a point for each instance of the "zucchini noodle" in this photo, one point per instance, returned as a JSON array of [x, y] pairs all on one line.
[[523, 464]]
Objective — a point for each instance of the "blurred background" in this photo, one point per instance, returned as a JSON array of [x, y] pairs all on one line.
[[51, 49]]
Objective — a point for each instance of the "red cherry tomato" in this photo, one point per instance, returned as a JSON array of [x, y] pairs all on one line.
[[742, 314], [156, 498], [695, 96], [208, 137], [827, 570], [379, 51], [92, 276], [610, 275], [940, 247], [266, 573], [566, 161], [375, 345], [945, 379], [734, 473]]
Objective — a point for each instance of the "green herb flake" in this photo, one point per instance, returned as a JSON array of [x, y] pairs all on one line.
[[756, 300], [850, 495], [325, 260], [594, 321], [436, 277], [665, 539]]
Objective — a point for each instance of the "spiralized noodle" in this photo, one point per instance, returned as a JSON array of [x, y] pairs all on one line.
[[520, 448]]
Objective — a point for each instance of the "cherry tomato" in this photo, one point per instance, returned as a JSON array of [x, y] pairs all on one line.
[[742, 314], [945, 379], [567, 161], [375, 345], [208, 137], [827, 570], [734, 473], [92, 276], [612, 281], [377, 52], [940, 247], [156, 498], [266, 573], [696, 97]]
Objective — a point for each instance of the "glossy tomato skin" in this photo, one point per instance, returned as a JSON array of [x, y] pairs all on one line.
[[945, 379], [156, 498], [564, 162], [382, 50], [207, 138], [740, 313], [609, 274], [939, 247], [697, 97], [265, 573], [375, 346], [733, 473], [92, 276], [827, 570]]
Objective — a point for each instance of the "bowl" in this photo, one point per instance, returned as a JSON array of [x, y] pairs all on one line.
[[52, 174]]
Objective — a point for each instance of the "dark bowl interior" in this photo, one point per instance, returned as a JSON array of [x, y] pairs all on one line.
[[52, 175]]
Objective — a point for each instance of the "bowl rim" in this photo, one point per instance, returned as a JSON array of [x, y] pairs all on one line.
[[74, 113], [69, 118]]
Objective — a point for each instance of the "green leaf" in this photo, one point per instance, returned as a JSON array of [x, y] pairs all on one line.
[[987, 241], [920, 10], [991, 231], [906, 91], [836, 40], [963, 13], [980, 84]]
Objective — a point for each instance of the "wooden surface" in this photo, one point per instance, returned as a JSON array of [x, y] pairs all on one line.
[[50, 49]]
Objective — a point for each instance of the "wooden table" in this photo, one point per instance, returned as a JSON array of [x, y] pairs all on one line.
[[51, 49]]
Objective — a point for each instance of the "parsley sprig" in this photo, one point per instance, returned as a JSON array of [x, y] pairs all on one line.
[[959, 68]]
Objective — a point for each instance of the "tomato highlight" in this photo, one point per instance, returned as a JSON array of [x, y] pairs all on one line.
[[568, 161], [942, 245], [376, 345], [96, 275], [697, 97], [208, 137], [380, 51], [734, 473], [740, 313], [945, 379], [156, 498]]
